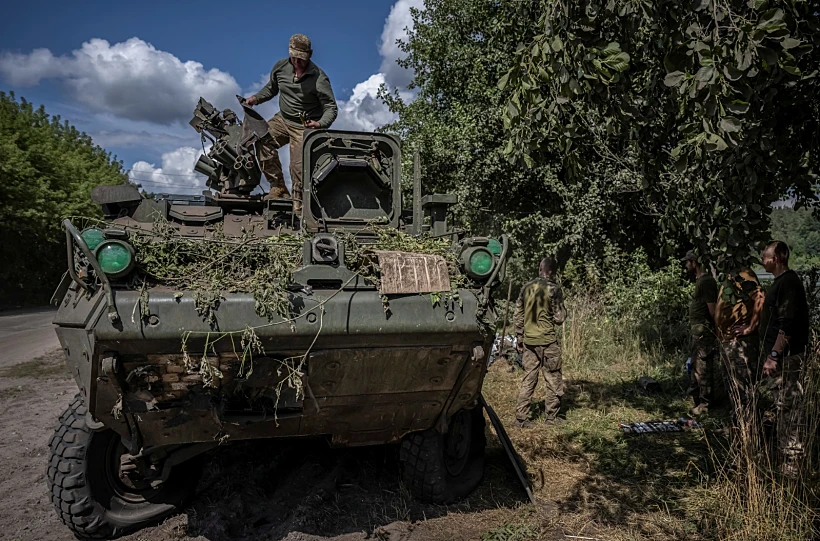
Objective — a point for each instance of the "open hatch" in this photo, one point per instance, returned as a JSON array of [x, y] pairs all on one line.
[[350, 179]]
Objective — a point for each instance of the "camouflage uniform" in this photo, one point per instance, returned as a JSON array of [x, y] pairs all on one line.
[[281, 133], [782, 394], [538, 311], [308, 98], [704, 378], [735, 308], [783, 401]]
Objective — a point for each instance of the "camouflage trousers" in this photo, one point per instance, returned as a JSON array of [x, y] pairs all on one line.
[[782, 397], [281, 133], [739, 356], [705, 380], [547, 361]]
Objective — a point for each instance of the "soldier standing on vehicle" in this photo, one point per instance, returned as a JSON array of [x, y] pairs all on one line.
[[701, 323], [305, 101], [737, 317], [539, 310], [785, 330]]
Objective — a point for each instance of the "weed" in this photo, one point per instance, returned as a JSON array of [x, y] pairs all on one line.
[[511, 532], [45, 367]]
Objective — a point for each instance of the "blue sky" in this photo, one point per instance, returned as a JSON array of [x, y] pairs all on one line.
[[129, 74]]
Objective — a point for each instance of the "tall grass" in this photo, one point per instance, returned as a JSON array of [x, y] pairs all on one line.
[[754, 495], [636, 325]]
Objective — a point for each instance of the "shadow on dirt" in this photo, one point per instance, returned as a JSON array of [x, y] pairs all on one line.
[[628, 475], [270, 490]]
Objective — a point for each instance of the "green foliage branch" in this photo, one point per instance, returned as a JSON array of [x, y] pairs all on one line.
[[715, 100], [458, 50], [209, 267]]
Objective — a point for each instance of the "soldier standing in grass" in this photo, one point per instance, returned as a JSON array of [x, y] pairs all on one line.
[[737, 317], [701, 323], [539, 311], [785, 331], [305, 101]]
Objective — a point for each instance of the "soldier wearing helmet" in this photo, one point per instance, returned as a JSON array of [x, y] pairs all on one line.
[[305, 101]]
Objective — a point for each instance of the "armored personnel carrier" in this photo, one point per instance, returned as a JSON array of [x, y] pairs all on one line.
[[389, 352]]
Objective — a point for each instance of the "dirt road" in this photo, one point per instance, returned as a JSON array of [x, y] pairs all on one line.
[[26, 334], [249, 491]]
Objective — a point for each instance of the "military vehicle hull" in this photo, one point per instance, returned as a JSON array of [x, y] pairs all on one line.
[[366, 378]]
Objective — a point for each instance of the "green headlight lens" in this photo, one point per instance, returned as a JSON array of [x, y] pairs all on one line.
[[481, 262], [115, 258], [494, 246], [92, 237]]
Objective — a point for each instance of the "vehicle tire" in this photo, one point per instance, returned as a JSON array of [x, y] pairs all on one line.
[[442, 468], [89, 490]]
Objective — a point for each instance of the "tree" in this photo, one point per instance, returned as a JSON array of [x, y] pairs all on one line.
[[47, 170], [800, 230], [715, 101], [458, 51]]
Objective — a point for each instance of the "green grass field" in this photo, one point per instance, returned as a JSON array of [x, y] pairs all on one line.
[[608, 485]]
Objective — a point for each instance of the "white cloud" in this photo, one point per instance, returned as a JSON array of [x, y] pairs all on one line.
[[363, 110], [131, 80], [395, 28], [176, 175]]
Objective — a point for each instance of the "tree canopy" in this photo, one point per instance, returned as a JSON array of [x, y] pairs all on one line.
[[597, 127], [458, 50], [714, 103], [47, 170]]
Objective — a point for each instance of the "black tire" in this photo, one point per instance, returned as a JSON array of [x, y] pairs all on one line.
[[438, 469], [92, 499]]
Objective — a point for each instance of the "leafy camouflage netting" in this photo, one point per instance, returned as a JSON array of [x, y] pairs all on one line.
[[210, 267]]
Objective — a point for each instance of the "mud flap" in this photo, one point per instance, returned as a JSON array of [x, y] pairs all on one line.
[[508, 447]]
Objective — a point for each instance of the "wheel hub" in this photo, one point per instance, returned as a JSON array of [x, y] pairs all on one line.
[[130, 476]]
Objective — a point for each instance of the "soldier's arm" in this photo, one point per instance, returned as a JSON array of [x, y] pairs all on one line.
[[518, 315], [758, 298], [269, 90], [710, 296], [785, 314], [329, 108], [559, 311]]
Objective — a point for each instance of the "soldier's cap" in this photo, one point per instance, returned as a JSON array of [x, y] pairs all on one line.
[[299, 47], [690, 256]]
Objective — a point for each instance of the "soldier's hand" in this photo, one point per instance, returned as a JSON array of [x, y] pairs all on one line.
[[769, 367], [312, 124], [250, 102], [740, 330]]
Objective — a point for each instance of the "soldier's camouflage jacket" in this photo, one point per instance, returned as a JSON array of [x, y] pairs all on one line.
[[539, 310]]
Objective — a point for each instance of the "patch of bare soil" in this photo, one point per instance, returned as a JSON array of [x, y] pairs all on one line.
[[271, 490], [30, 406]]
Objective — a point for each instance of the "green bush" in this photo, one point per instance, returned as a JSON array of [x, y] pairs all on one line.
[[651, 302], [47, 171]]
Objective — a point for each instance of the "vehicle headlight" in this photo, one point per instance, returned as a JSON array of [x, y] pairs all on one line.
[[478, 262], [116, 258], [92, 237], [494, 246]]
